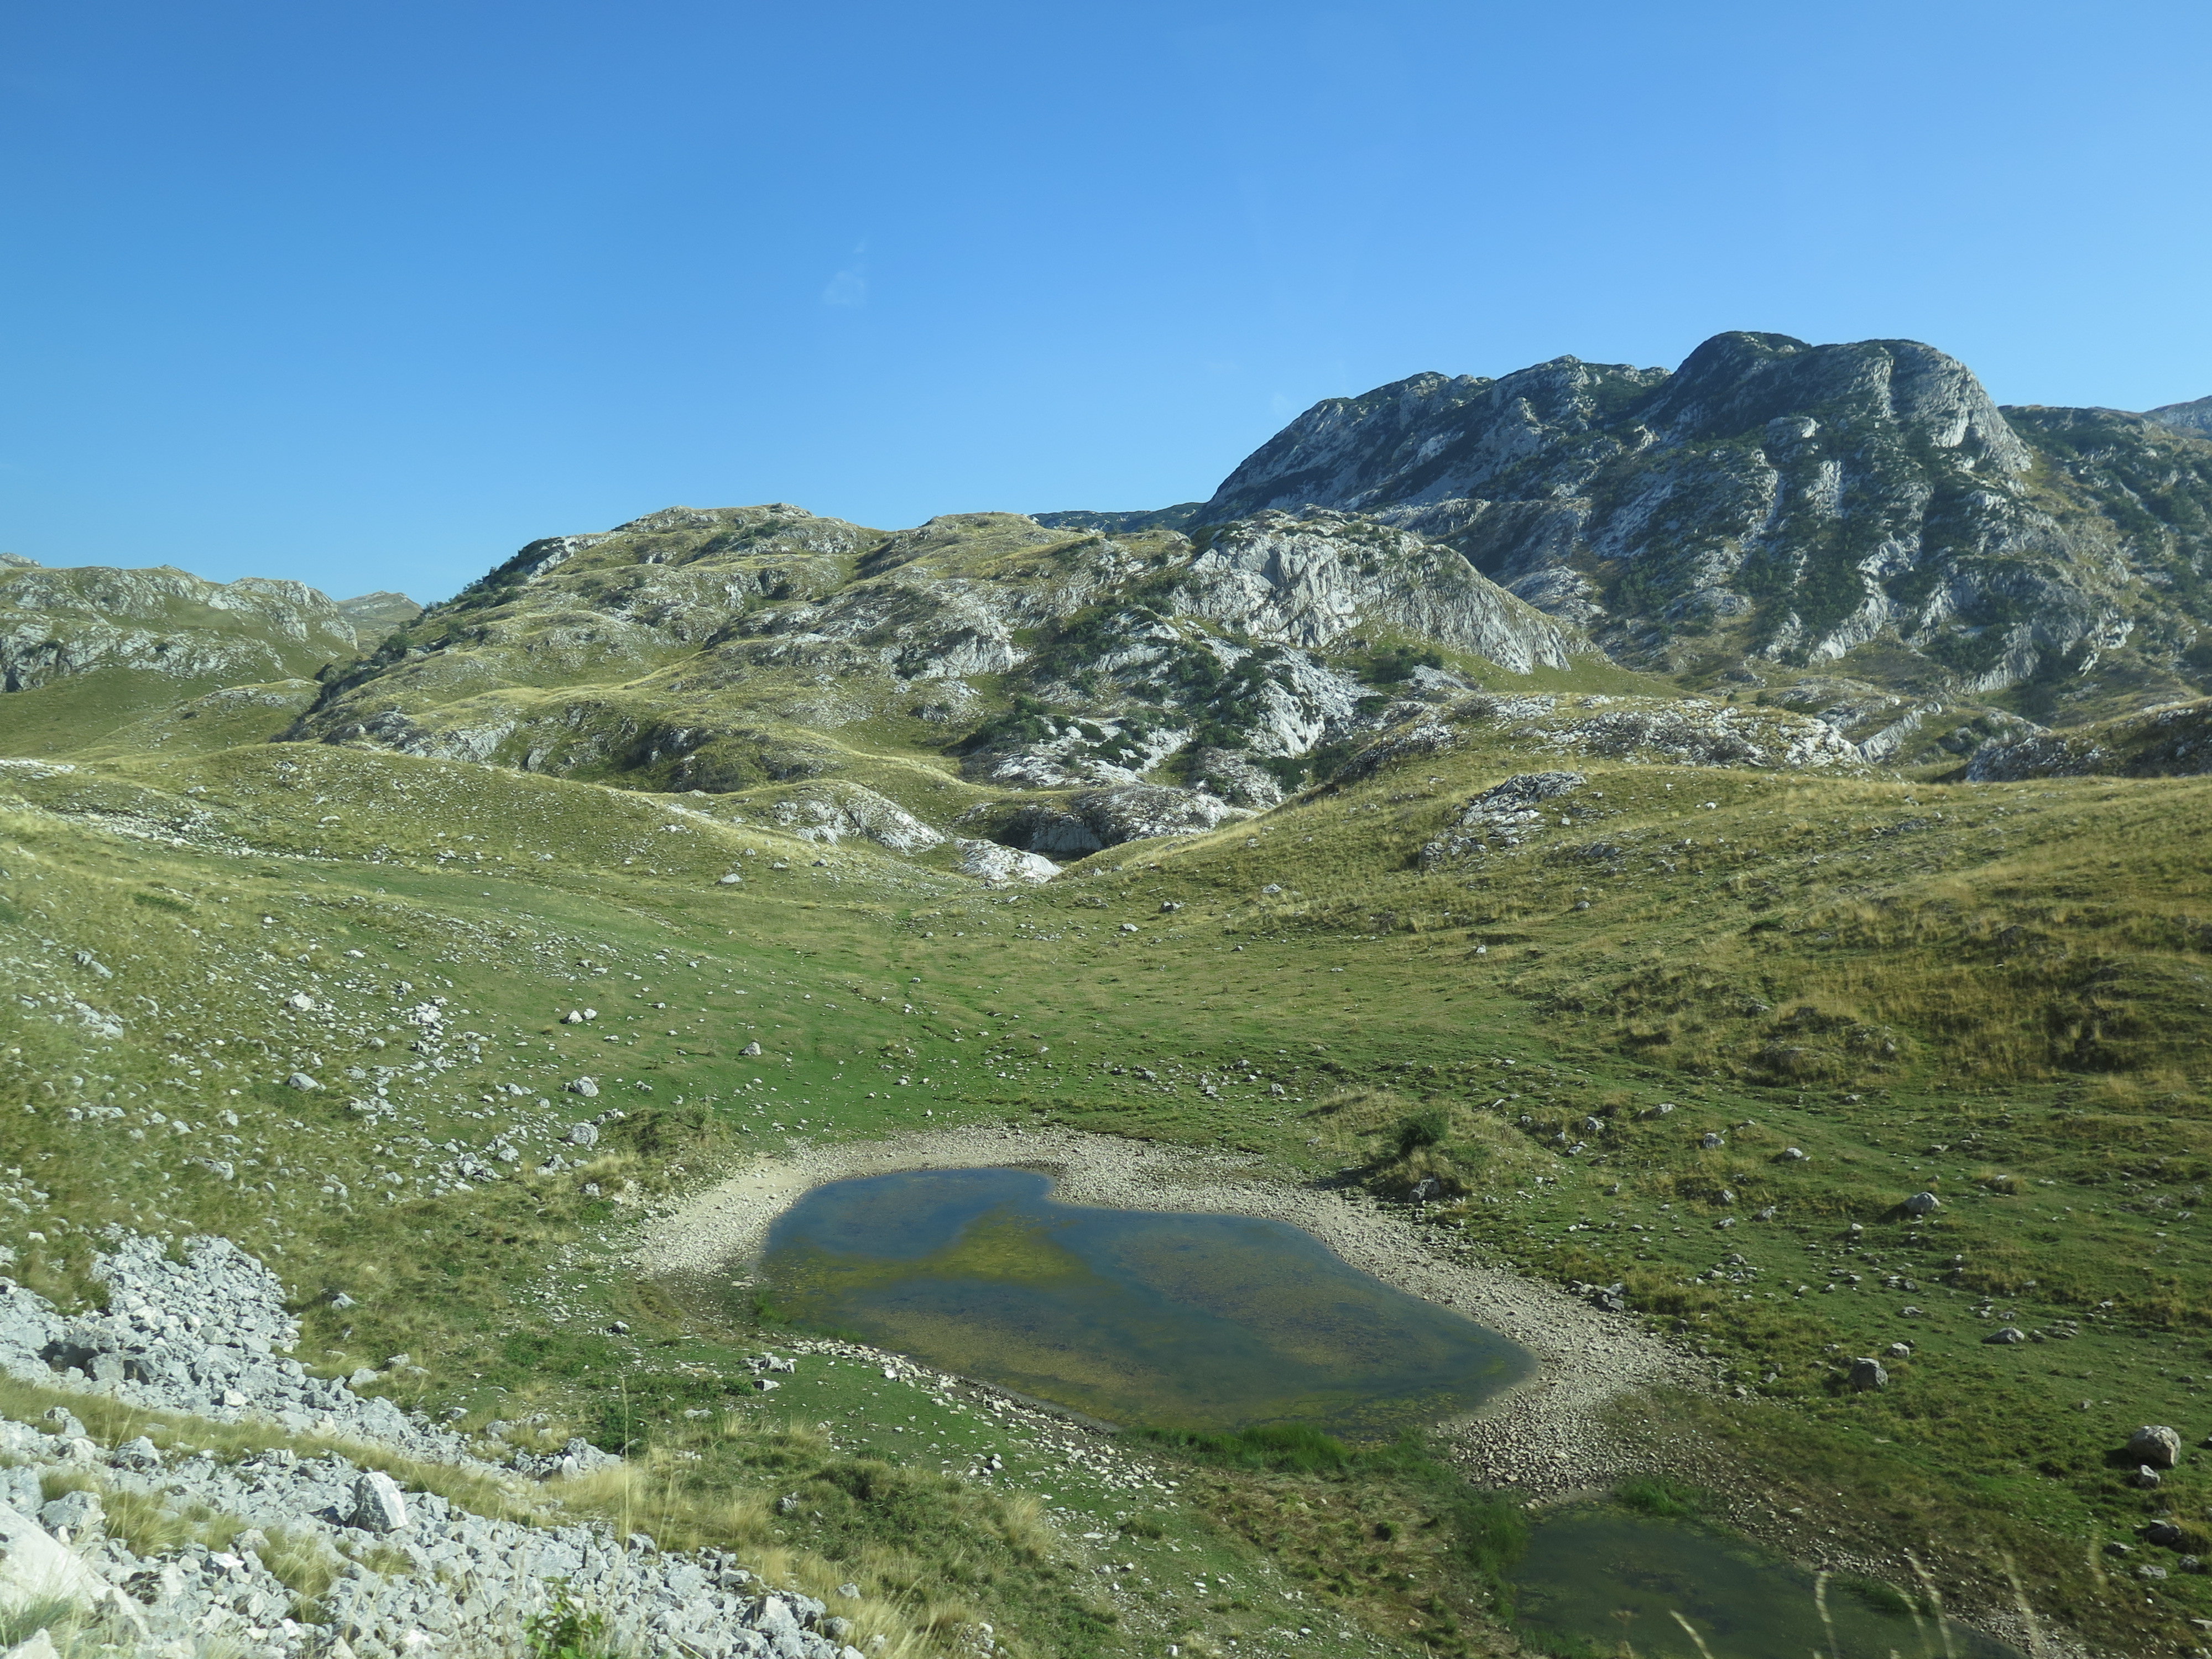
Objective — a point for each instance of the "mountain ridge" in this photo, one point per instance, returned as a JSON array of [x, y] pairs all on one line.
[[1853, 531]]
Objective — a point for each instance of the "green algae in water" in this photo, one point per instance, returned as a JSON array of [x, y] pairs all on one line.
[[1595, 1578], [1183, 1321]]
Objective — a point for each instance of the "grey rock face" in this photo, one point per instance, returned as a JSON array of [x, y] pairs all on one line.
[[377, 1504], [34, 1567], [374, 614], [1429, 438], [1118, 654], [208, 1334], [2195, 417], [163, 622], [830, 813], [1094, 819], [1308, 581], [2174, 741], [1236, 778], [2156, 1445], [1802, 501], [1506, 812], [990, 862]]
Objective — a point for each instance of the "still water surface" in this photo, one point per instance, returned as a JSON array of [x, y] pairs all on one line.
[[1185, 1322], [1609, 1578]]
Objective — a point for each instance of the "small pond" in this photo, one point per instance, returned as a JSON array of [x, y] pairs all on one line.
[[1167, 1320], [1606, 1577]]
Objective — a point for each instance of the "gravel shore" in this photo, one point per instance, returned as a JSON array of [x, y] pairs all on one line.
[[1584, 1419], [1547, 1436]]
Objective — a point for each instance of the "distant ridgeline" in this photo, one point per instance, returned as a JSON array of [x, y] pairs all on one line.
[[1850, 543]]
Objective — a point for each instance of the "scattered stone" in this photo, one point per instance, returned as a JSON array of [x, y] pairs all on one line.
[[2162, 1532], [751, 1050], [2005, 1335], [2156, 1444], [1503, 816], [1867, 1373], [2147, 1477], [33, 1567], [1921, 1204], [583, 1134], [302, 1080], [587, 1086], [72, 1516], [377, 1504], [142, 1455]]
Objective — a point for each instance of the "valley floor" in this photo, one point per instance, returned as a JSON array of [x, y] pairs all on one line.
[[317, 1003]]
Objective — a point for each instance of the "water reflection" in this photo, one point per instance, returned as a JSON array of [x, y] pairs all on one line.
[[1188, 1321], [1607, 1578]]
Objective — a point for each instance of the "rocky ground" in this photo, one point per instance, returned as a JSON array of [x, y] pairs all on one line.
[[256, 1551]]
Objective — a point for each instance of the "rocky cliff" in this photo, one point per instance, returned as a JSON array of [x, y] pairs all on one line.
[[58, 623], [723, 650], [1863, 510], [1853, 532], [2192, 418]]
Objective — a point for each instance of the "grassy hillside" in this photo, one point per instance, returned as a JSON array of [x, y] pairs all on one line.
[[1992, 992], [85, 652]]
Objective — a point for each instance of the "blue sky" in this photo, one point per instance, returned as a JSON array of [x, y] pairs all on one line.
[[370, 295]]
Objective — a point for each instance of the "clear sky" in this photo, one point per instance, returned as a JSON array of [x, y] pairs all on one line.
[[370, 294]]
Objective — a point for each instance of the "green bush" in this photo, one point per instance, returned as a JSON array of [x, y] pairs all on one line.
[[1654, 1494], [568, 1631], [1422, 1129], [1284, 1447]]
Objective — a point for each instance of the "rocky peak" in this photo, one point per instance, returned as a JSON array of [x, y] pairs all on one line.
[[59, 624], [2192, 418], [1738, 384], [1429, 438], [379, 613], [1769, 501], [1181, 516]]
